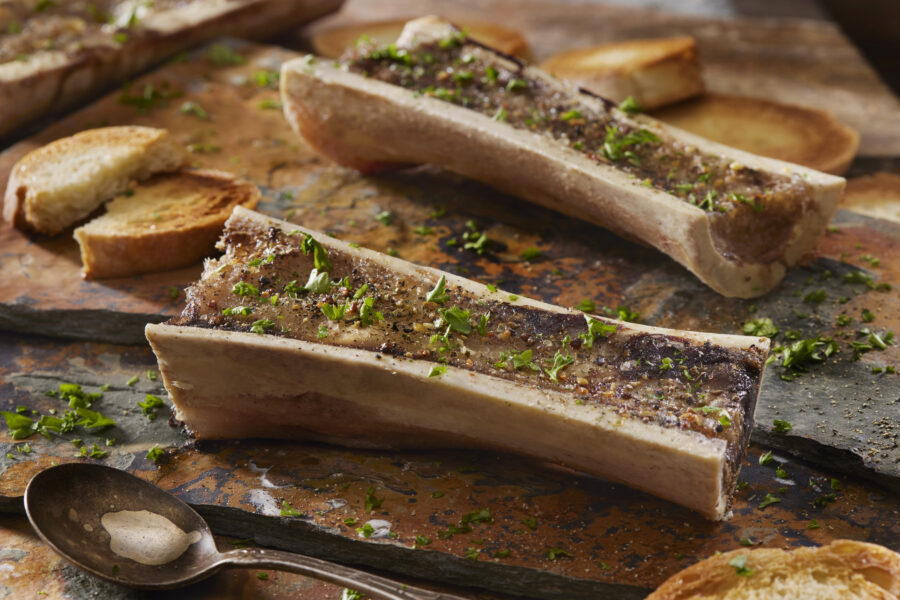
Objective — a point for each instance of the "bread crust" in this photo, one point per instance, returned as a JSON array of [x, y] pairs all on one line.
[[113, 247], [371, 125], [874, 569], [57, 81], [805, 136], [31, 202], [655, 72]]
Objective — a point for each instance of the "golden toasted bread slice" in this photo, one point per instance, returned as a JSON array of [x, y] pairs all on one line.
[[655, 72], [875, 195], [171, 220], [804, 136], [842, 570], [57, 185], [334, 42]]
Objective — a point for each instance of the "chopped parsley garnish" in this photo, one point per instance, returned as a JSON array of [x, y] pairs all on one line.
[[478, 516], [437, 295], [334, 312], [781, 472], [192, 108], [20, 427], [238, 310], [472, 553], [349, 594], [616, 146], [570, 115], [740, 565], [666, 364], [423, 230], [781, 426], [421, 540], [457, 319], [816, 297], [223, 56], [763, 327], [261, 326], [320, 254], [769, 500], [385, 217], [530, 254], [867, 316], [437, 495], [289, 511], [150, 404], [266, 78], [804, 352], [557, 553], [586, 305], [133, 380], [766, 458], [516, 85], [481, 325], [242, 288], [630, 105], [519, 361], [372, 502], [437, 370], [366, 530], [155, 453], [596, 328], [813, 524]]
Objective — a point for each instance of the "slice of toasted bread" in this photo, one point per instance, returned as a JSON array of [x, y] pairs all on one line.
[[842, 570], [334, 42], [56, 185], [875, 195], [171, 220], [655, 72], [805, 136]]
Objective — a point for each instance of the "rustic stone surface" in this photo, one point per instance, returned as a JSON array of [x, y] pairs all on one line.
[[622, 542]]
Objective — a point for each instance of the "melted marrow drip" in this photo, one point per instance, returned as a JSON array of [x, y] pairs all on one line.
[[742, 202], [268, 283]]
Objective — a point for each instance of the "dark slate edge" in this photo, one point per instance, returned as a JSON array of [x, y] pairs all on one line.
[[842, 460], [94, 325], [299, 536]]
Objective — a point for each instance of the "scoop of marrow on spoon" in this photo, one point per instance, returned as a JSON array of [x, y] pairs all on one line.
[[128, 531]]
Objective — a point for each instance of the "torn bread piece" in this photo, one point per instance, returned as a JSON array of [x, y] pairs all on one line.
[[171, 220], [292, 334], [655, 72], [805, 136], [876, 195], [55, 55], [842, 570], [334, 42], [736, 220], [57, 185]]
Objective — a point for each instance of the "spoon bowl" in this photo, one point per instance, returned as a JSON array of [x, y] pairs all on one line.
[[96, 517]]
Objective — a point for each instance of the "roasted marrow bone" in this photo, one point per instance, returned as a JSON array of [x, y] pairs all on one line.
[[292, 334], [736, 220]]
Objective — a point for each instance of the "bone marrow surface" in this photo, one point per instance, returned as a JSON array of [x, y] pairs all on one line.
[[279, 281], [741, 201]]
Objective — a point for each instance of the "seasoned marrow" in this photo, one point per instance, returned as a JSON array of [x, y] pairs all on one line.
[[736, 220], [292, 334]]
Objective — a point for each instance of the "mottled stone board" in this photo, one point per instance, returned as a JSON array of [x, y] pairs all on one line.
[[622, 542], [850, 426]]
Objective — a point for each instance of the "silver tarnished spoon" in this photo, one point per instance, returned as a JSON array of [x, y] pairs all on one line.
[[128, 531]]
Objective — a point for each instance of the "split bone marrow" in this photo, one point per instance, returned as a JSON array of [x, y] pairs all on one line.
[[736, 220], [293, 334]]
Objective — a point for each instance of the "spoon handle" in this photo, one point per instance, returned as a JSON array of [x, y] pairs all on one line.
[[361, 581]]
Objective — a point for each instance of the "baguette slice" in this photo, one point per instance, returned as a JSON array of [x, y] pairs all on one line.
[[805, 136], [334, 42], [371, 361], [655, 72], [57, 54], [171, 220], [350, 115], [875, 195], [842, 570], [57, 185]]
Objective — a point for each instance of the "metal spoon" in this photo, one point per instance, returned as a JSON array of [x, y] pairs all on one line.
[[66, 505]]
